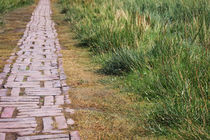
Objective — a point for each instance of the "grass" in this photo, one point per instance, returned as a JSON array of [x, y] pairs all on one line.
[[12, 30], [7, 5], [98, 114], [161, 50]]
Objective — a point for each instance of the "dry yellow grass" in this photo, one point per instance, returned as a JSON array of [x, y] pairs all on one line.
[[15, 23]]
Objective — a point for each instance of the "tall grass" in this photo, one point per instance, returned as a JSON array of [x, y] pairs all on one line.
[[161, 47], [6, 5]]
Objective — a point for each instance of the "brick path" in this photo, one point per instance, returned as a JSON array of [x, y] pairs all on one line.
[[33, 92]]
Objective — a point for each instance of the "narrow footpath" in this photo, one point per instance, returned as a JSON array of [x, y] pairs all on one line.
[[33, 91]]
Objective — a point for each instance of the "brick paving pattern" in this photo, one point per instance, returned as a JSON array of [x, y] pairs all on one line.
[[33, 91]]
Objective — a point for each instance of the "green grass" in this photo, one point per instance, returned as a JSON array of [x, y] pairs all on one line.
[[6, 5], [161, 49]]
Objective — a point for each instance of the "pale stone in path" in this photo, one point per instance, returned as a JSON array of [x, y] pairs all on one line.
[[59, 100], [7, 112], [48, 100], [2, 136], [70, 121], [20, 99], [38, 137], [47, 122], [13, 125], [31, 119], [71, 111], [15, 91], [1, 82], [3, 92], [17, 130], [75, 135], [61, 122]]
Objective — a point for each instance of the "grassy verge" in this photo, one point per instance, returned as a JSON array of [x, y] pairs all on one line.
[[14, 25], [161, 50], [101, 111], [6, 5]]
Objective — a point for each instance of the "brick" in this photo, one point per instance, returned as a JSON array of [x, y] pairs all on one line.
[[38, 137], [1, 82], [2, 136], [3, 92], [15, 91], [61, 122], [75, 135], [47, 123], [9, 125], [7, 112], [59, 100], [48, 100]]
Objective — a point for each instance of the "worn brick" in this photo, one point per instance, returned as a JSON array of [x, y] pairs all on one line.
[[7, 112]]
